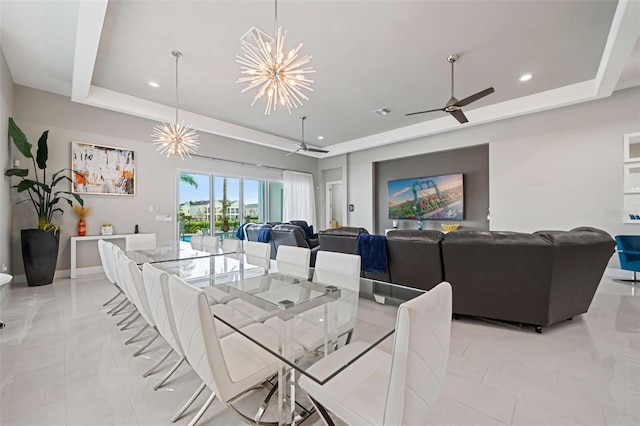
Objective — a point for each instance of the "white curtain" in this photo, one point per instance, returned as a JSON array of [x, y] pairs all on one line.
[[299, 197]]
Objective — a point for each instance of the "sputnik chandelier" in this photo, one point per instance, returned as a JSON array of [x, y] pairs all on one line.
[[278, 76], [175, 137]]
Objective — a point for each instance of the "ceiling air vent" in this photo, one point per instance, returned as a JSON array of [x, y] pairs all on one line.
[[251, 36], [382, 111]]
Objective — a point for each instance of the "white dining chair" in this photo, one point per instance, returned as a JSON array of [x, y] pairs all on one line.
[[156, 283], [390, 389], [132, 274], [196, 242], [258, 254], [210, 244], [140, 242], [107, 272], [293, 261], [230, 245], [113, 254], [230, 366], [340, 269]]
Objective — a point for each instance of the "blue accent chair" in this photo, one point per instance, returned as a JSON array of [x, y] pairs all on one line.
[[628, 247]]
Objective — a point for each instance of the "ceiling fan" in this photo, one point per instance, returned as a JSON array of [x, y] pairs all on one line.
[[302, 147], [454, 106]]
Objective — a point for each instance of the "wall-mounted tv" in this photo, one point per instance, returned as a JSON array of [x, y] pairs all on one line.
[[427, 198]]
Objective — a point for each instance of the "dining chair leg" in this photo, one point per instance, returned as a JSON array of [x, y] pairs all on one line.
[[324, 414], [349, 334], [186, 406], [265, 404], [120, 310], [136, 335], [139, 351], [206, 405], [125, 319], [157, 364], [112, 299], [166, 376], [130, 323], [117, 306]]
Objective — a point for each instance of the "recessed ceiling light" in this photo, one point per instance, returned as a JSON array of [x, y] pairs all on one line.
[[382, 111], [320, 137], [153, 84], [526, 77]]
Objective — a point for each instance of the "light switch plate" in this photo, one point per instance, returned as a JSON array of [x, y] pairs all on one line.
[[164, 218]]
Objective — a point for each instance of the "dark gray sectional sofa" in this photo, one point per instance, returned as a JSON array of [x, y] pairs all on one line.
[[540, 279]]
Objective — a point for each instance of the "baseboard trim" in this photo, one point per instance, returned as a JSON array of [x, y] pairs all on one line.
[[63, 273]]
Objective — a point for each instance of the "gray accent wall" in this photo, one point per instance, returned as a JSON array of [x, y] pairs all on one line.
[[472, 162], [6, 110], [36, 111]]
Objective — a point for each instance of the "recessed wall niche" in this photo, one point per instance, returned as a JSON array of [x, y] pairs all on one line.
[[631, 189], [472, 162]]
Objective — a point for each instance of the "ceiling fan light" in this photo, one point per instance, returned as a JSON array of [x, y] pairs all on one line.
[[525, 77]]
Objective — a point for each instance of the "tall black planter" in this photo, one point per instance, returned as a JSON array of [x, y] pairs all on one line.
[[39, 255]]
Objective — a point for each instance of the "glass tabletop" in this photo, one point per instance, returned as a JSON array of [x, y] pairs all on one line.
[[312, 308], [169, 251]]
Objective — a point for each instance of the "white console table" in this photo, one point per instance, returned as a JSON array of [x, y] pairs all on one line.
[[74, 241]]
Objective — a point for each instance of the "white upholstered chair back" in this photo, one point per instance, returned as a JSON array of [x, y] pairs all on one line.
[[132, 274], [140, 242], [114, 253], [196, 242], [339, 269], [420, 355], [210, 244], [293, 261], [103, 260], [197, 333], [156, 283], [230, 245], [258, 254]]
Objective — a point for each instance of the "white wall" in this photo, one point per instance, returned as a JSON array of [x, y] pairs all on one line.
[[556, 169], [6, 110], [36, 111]]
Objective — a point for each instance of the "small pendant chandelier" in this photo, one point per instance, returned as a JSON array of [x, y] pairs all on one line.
[[278, 76], [175, 137]]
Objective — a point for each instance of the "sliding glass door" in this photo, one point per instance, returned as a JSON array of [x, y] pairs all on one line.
[[194, 206], [226, 191], [213, 204]]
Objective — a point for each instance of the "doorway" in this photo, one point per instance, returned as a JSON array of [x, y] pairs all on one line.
[[335, 204]]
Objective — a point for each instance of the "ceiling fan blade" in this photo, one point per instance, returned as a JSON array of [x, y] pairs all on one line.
[[459, 115], [473, 98], [324, 151], [294, 152], [422, 112]]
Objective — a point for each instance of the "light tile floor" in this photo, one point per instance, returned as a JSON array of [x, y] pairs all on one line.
[[63, 362]]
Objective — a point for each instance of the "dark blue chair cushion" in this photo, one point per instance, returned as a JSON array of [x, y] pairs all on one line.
[[629, 252]]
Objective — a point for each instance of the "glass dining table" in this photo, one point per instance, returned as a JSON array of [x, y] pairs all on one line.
[[315, 310], [171, 251]]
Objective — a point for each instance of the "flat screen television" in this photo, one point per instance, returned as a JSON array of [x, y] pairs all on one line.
[[427, 198]]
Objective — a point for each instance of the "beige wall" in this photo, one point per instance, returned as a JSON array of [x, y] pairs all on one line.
[[6, 110], [36, 111]]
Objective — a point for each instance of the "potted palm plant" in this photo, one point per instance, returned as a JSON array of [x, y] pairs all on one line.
[[40, 246]]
